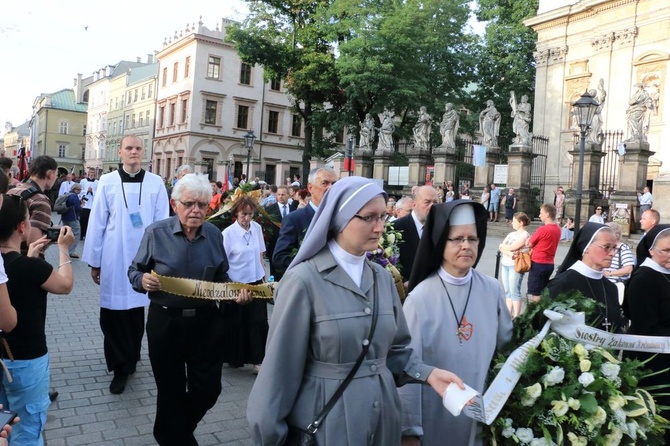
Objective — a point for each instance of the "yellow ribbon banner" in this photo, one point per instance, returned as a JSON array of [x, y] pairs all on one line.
[[201, 289]]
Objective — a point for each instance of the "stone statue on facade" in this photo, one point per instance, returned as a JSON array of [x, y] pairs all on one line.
[[367, 136], [422, 129], [489, 124], [594, 134], [449, 127], [386, 132], [521, 117], [638, 114]]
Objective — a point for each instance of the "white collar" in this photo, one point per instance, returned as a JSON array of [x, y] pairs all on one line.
[[417, 223], [586, 271], [453, 280], [315, 207], [341, 255], [650, 263], [131, 174]]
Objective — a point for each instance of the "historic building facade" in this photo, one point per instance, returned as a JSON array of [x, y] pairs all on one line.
[[580, 43]]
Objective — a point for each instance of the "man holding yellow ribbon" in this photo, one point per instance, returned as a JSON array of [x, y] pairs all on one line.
[[185, 334]]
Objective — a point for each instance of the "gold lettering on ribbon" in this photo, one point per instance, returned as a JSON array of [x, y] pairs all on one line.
[[201, 289]]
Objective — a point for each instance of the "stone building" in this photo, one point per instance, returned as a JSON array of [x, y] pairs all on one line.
[[580, 42]]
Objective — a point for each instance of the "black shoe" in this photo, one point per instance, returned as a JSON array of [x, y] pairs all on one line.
[[118, 384], [53, 395], [74, 256]]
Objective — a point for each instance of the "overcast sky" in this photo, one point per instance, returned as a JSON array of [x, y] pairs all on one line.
[[45, 43]]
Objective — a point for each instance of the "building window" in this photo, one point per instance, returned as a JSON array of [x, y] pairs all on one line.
[[83, 133], [210, 112], [135, 97], [63, 128], [273, 121], [187, 66], [245, 74], [242, 116], [275, 84], [161, 116], [184, 110], [296, 126], [164, 76], [175, 71], [132, 125], [151, 90], [61, 150], [148, 120], [172, 113], [116, 103], [130, 97], [141, 119], [213, 67], [144, 92], [127, 125], [339, 136]]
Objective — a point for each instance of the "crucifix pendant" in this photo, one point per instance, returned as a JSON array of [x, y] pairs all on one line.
[[606, 324], [461, 335]]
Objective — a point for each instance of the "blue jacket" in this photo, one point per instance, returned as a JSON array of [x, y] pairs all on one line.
[[73, 208]]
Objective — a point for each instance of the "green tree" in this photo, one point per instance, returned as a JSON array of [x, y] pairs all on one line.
[[506, 60]]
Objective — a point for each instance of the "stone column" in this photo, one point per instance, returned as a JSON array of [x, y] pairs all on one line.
[[418, 160], [633, 176], [484, 174], [382, 162], [519, 166], [445, 165], [590, 183], [364, 166]]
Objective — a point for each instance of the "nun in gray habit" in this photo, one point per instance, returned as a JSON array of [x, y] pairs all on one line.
[[323, 312], [457, 317]]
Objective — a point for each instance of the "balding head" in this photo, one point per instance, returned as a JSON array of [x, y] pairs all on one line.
[[425, 197]]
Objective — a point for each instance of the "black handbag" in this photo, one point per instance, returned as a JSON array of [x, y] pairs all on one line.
[[307, 437]]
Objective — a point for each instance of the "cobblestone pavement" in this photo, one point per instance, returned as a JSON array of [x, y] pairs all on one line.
[[85, 413]]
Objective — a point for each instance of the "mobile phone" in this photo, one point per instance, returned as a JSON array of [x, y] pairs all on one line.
[[6, 417], [53, 233]]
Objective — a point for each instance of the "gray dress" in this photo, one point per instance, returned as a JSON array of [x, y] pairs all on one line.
[[434, 338], [316, 330]]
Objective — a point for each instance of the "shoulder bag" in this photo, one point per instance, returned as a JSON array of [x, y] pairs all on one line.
[[522, 261], [307, 437]]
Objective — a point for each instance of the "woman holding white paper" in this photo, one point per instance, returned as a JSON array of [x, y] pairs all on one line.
[[457, 318]]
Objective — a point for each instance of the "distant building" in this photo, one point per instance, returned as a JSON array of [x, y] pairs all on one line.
[[15, 137]]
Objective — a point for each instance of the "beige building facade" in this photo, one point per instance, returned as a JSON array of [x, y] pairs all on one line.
[[580, 42]]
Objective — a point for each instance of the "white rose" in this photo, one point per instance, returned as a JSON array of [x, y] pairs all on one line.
[[584, 365], [613, 438], [585, 379], [555, 376], [540, 442], [508, 432], [559, 408], [611, 371], [574, 404], [388, 251], [577, 441], [580, 351], [599, 417], [390, 238], [534, 391], [528, 401], [616, 402], [524, 435]]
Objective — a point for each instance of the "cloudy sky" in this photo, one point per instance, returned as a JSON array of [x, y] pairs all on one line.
[[46, 43]]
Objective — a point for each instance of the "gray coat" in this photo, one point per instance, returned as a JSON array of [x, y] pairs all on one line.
[[315, 336]]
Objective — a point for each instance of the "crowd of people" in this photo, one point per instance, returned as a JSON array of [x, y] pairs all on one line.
[[341, 349]]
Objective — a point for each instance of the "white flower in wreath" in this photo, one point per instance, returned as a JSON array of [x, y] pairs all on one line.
[[508, 432], [525, 435], [577, 440], [610, 371], [541, 442], [559, 408], [585, 379], [616, 402], [632, 430], [599, 417], [584, 365], [534, 391], [581, 351], [574, 404], [555, 376], [614, 438], [390, 238]]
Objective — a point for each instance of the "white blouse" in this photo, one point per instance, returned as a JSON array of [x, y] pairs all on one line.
[[244, 249]]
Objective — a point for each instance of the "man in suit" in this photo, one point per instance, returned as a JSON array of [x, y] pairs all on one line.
[[278, 210], [412, 227], [295, 224]]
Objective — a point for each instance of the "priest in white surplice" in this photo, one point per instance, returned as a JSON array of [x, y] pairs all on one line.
[[457, 318], [127, 201]]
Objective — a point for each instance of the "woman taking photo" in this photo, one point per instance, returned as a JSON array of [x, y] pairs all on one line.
[[583, 270], [327, 304], [246, 327], [28, 394], [513, 243]]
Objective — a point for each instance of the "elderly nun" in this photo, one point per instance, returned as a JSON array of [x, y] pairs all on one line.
[[457, 318], [583, 271], [325, 305]]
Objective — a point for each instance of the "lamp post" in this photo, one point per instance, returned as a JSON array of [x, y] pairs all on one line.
[[584, 109], [249, 139], [349, 154]]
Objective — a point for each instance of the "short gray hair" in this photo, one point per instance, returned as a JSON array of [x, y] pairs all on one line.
[[314, 172], [195, 183], [616, 228], [400, 204], [184, 169]]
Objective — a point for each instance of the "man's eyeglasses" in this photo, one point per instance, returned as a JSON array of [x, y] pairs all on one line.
[[607, 248], [461, 240], [372, 218], [190, 204]]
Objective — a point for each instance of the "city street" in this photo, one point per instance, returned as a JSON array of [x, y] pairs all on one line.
[[85, 413]]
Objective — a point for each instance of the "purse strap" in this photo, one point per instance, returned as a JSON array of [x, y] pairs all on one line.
[[314, 426]]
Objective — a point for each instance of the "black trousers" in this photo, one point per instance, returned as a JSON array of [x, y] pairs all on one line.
[[185, 354], [123, 331], [83, 220]]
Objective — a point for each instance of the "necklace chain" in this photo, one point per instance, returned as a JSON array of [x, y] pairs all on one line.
[[459, 321], [606, 323]]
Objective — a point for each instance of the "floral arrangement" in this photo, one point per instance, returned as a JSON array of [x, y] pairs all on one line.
[[387, 252], [571, 393]]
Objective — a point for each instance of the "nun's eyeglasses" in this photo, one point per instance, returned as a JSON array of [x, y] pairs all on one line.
[[461, 240], [369, 219], [665, 252], [608, 248]]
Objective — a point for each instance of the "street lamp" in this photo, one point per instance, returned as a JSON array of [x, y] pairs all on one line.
[[349, 154], [249, 139], [584, 109]]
